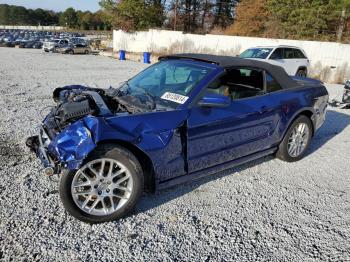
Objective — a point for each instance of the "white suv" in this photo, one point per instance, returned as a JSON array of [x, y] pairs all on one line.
[[292, 59]]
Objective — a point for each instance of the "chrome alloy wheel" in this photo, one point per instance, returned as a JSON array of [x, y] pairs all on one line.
[[298, 140], [102, 187]]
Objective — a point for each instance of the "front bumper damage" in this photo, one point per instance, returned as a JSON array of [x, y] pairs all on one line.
[[38, 144], [67, 150]]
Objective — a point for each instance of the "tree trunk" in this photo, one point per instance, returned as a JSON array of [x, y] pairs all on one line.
[[175, 13], [341, 25]]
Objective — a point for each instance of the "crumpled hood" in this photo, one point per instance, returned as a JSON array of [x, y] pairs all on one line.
[[149, 131]]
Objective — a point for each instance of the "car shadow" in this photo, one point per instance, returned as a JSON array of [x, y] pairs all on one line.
[[150, 200], [335, 123]]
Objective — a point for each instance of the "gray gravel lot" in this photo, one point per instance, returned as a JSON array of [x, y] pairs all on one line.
[[267, 210]]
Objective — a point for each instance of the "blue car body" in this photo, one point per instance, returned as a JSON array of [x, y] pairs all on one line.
[[191, 141]]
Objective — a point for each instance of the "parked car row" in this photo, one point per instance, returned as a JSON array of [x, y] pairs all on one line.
[[47, 40], [67, 46]]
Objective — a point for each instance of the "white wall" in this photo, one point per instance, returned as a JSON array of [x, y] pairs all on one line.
[[23, 27], [323, 55]]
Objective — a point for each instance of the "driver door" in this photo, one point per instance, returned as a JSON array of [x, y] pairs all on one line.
[[219, 135]]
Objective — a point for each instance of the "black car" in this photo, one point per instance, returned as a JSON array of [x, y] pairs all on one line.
[[37, 45]]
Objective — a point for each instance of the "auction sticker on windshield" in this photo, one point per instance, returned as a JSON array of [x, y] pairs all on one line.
[[180, 99]]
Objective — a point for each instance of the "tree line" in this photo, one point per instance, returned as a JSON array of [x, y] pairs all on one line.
[[74, 19], [194, 16], [294, 19]]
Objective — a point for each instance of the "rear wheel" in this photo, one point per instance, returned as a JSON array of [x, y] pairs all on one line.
[[71, 52], [296, 141], [86, 52], [106, 187]]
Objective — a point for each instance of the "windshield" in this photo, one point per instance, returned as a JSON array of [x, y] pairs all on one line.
[[166, 83], [261, 53]]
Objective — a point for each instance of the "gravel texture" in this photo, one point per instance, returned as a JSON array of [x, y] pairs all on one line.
[[267, 210]]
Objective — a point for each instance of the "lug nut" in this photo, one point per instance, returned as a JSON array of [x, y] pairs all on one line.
[[95, 186], [107, 190], [99, 192]]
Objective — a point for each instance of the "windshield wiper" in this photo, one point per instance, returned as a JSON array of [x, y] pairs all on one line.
[[120, 92], [151, 97]]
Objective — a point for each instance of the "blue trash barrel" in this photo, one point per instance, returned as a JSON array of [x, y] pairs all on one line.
[[121, 54], [147, 57]]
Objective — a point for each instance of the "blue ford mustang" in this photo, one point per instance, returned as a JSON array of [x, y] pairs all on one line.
[[187, 116]]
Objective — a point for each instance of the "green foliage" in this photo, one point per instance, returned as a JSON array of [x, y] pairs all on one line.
[[134, 14], [18, 15], [69, 18], [307, 18]]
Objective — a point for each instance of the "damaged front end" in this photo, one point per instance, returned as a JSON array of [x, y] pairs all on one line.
[[64, 140]]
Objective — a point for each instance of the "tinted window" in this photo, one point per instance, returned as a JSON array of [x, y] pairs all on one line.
[[239, 83], [261, 53], [271, 84], [298, 54], [288, 53], [277, 54]]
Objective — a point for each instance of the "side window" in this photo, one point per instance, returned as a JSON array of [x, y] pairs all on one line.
[[299, 54], [271, 84], [288, 53], [239, 84], [277, 54]]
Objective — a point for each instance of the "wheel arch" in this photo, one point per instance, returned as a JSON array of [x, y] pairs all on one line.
[[144, 160], [305, 112], [302, 68]]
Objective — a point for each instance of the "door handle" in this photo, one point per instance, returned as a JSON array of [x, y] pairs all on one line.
[[264, 109]]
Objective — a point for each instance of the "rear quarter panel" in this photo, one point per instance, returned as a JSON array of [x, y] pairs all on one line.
[[288, 104]]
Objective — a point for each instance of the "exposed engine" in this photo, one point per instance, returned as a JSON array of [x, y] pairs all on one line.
[[75, 102]]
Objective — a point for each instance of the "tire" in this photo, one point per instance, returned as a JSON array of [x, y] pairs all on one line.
[[71, 52], [86, 52], [133, 175], [285, 150], [301, 73]]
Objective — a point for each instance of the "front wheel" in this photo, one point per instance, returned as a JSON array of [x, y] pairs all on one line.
[[106, 187], [296, 141], [301, 73]]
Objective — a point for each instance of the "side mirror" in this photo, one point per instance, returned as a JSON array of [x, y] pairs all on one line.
[[214, 100]]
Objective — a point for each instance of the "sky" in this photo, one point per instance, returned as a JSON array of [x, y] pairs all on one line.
[[56, 5]]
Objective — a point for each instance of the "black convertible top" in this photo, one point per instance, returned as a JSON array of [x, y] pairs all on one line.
[[229, 61]]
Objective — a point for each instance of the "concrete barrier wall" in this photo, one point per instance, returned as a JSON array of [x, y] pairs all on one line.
[[329, 60], [41, 28]]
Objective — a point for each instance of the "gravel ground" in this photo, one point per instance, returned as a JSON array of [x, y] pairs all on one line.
[[267, 210]]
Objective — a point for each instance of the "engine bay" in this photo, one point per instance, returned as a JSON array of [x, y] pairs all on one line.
[[75, 102]]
